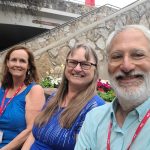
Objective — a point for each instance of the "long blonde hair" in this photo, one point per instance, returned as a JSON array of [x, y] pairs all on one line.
[[71, 112]]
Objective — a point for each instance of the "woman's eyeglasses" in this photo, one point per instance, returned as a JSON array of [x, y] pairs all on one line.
[[83, 64]]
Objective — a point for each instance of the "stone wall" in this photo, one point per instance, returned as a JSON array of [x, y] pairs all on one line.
[[51, 48], [68, 29], [59, 5], [68, 6]]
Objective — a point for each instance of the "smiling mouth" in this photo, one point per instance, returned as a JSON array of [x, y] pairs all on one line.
[[78, 76], [128, 77], [17, 70]]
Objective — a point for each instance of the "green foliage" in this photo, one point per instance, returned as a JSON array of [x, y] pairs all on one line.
[[104, 89], [107, 96], [50, 82]]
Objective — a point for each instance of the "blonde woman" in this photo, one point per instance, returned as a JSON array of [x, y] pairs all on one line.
[[57, 126]]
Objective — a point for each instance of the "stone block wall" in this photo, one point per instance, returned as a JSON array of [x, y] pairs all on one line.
[[68, 6], [51, 48]]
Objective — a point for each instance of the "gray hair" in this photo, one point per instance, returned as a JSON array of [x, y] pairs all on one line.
[[142, 28]]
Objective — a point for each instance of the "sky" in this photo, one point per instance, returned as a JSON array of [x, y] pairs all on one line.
[[117, 3]]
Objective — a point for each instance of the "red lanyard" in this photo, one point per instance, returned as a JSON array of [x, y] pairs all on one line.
[[2, 106], [141, 125]]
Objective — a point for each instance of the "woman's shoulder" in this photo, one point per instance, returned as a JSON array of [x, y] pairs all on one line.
[[35, 95], [36, 89], [103, 110], [96, 100], [33, 89]]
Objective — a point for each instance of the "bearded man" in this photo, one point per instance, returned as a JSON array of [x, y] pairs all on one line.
[[123, 124]]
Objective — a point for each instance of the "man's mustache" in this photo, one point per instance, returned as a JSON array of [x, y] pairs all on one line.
[[132, 74]]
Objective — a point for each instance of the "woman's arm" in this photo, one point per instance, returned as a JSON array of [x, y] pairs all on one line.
[[28, 143], [34, 103]]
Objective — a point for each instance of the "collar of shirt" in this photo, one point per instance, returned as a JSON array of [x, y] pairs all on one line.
[[141, 110]]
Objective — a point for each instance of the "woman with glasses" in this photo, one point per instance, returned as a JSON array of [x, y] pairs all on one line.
[[58, 125]]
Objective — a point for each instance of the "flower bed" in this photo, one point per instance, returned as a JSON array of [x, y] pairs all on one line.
[[103, 87], [105, 90], [50, 82]]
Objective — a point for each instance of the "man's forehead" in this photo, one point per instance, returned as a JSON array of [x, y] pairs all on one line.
[[128, 35], [129, 32]]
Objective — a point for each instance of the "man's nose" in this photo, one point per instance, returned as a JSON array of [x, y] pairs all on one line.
[[127, 64]]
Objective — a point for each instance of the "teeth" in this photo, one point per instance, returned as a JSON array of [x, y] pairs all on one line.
[[75, 75]]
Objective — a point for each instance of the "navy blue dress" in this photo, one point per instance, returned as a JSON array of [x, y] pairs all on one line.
[[52, 136], [12, 121]]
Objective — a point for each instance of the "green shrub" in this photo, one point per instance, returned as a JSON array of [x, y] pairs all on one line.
[[104, 89], [50, 82], [107, 96]]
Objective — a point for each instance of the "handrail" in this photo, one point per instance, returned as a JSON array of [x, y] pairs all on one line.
[[109, 5]]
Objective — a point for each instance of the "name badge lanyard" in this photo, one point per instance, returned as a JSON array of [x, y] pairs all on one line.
[[138, 130], [3, 105]]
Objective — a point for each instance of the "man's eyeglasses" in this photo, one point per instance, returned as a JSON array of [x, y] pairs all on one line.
[[83, 64]]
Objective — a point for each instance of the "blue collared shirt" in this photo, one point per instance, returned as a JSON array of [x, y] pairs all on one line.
[[94, 132]]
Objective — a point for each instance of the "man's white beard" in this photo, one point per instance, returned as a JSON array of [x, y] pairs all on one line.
[[131, 96]]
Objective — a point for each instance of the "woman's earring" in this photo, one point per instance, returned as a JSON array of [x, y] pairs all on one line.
[[28, 72]]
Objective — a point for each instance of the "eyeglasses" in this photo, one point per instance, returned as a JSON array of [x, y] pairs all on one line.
[[83, 64]]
